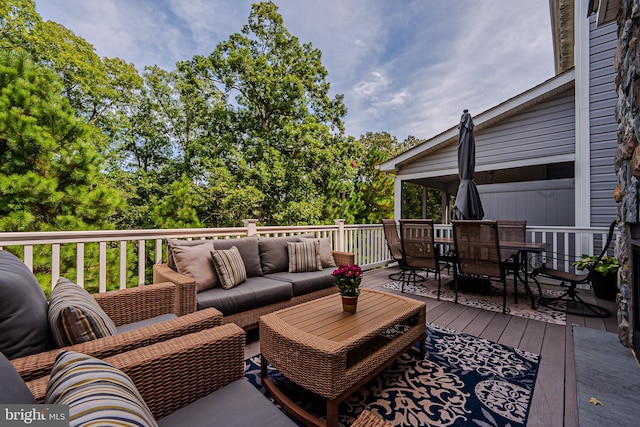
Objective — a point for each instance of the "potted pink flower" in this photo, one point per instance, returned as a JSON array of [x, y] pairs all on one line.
[[348, 280]]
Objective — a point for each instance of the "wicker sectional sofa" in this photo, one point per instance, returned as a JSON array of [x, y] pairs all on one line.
[[269, 285]]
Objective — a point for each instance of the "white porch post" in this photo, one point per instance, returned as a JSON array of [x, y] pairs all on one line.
[[583, 135], [397, 198]]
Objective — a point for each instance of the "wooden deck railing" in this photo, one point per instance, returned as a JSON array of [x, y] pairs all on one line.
[[126, 256]]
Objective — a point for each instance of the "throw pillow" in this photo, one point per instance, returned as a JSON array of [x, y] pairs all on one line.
[[274, 253], [172, 243], [304, 256], [326, 253], [248, 248], [195, 262], [229, 266], [24, 324], [96, 392], [75, 317]]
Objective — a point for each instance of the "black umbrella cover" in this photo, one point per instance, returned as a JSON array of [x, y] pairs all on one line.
[[468, 204]]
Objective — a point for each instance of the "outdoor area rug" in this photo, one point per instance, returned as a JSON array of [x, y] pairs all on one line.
[[490, 299], [463, 381]]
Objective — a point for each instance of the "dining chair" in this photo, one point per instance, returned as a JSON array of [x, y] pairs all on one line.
[[571, 280], [392, 238], [512, 231], [478, 254], [419, 252]]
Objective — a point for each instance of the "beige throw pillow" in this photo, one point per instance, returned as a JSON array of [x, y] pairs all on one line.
[[304, 256], [229, 266], [195, 262], [326, 253]]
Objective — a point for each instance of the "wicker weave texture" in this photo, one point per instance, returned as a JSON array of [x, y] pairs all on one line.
[[39, 365], [136, 304], [369, 419], [321, 365], [186, 295], [174, 373]]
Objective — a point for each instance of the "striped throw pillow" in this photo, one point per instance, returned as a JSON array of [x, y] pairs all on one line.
[[229, 266], [75, 317], [96, 392], [304, 256]]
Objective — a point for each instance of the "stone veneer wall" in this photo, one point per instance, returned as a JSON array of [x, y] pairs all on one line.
[[627, 161]]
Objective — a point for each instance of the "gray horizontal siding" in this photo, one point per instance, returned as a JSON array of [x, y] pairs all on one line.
[[602, 126], [545, 130]]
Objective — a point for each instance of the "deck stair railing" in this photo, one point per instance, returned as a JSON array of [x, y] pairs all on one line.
[[131, 252]]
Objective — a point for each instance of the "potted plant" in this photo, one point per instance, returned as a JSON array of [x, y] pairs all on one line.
[[348, 280], [604, 277]]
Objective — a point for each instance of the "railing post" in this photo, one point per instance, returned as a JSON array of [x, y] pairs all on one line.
[[251, 225], [340, 237]]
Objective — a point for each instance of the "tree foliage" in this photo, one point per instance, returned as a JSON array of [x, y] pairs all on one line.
[[49, 171], [248, 131]]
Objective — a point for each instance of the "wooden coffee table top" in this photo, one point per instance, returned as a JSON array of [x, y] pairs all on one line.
[[323, 318]]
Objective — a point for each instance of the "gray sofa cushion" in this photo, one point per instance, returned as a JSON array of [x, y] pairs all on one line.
[[13, 390], [236, 404], [146, 322], [310, 281], [274, 254], [248, 248], [255, 292], [23, 310]]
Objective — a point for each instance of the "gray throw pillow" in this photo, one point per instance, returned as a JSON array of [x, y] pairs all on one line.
[[172, 243], [248, 248], [274, 255], [24, 324], [196, 262]]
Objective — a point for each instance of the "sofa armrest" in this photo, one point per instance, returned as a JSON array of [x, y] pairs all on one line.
[[39, 365], [186, 299], [344, 258], [172, 374], [131, 305]]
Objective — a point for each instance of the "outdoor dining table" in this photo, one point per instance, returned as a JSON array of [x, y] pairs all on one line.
[[522, 249]]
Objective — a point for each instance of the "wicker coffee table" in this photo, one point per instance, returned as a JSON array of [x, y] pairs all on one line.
[[332, 353]]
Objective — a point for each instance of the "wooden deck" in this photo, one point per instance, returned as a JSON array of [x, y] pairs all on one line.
[[554, 399]]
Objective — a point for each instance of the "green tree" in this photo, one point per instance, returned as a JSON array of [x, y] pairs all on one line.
[[285, 133], [50, 171]]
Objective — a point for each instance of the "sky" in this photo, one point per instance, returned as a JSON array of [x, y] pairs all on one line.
[[406, 67]]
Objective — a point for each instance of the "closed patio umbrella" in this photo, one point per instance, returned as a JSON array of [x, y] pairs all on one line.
[[468, 204]]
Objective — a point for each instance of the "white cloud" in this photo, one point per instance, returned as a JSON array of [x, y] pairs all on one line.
[[407, 67]]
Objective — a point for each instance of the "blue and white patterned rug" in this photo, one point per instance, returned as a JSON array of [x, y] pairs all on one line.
[[463, 381], [491, 299]]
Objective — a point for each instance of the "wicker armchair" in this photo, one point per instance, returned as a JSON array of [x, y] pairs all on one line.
[[172, 375], [124, 307]]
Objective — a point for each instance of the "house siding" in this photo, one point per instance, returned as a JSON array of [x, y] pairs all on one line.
[[602, 124], [547, 129]]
